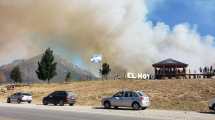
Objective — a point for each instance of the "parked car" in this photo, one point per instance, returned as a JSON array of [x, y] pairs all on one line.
[[20, 97], [211, 104], [135, 99], [60, 97]]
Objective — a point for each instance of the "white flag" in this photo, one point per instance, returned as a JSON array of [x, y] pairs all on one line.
[[96, 59]]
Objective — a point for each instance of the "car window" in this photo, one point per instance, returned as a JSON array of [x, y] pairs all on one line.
[[128, 94], [62, 93], [134, 94], [56, 94], [27, 94], [119, 94], [53, 94], [140, 93], [59, 93]]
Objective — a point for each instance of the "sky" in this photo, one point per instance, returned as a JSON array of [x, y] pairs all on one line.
[[130, 34], [198, 13]]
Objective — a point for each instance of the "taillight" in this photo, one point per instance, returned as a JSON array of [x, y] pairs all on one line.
[[142, 98], [66, 99]]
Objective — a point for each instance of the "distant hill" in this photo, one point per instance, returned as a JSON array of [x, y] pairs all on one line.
[[29, 66]]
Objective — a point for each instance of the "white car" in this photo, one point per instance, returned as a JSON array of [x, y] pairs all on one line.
[[211, 104], [20, 97], [135, 99]]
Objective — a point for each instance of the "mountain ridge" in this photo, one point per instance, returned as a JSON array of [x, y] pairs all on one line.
[[29, 66]]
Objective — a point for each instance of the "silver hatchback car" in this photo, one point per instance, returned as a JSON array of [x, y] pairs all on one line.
[[20, 97], [135, 99]]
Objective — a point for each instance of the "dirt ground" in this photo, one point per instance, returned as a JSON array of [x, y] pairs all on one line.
[[164, 94]]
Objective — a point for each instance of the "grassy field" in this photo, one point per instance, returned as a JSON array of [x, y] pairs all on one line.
[[165, 94]]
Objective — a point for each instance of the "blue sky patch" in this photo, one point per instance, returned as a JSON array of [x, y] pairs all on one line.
[[200, 13]]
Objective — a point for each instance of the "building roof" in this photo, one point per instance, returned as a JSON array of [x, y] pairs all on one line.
[[170, 63]]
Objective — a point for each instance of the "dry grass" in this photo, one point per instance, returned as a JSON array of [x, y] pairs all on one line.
[[165, 94]]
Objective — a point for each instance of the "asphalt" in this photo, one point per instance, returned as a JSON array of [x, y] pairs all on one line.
[[50, 112], [9, 113]]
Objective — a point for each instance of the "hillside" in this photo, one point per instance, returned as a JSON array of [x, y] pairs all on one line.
[[164, 94], [29, 66]]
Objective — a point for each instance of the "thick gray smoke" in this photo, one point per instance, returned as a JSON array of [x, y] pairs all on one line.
[[118, 29]]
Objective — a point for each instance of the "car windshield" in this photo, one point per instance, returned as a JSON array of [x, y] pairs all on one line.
[[119, 94]]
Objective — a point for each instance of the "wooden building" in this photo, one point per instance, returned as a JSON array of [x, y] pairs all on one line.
[[170, 68]]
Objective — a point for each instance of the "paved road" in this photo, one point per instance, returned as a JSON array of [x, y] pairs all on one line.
[[9, 113], [41, 112]]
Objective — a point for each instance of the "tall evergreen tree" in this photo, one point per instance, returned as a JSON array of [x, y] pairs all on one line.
[[200, 70], [211, 69], [105, 70], [205, 70], [15, 75], [68, 76], [46, 66]]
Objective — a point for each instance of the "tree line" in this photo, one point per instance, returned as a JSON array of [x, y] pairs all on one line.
[[206, 70]]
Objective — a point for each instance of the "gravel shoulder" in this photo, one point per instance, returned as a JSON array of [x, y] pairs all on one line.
[[149, 113]]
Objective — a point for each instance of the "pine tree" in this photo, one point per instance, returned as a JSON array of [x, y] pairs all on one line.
[[205, 70], [68, 76], [46, 66], [15, 75], [211, 69], [200, 70], [105, 70]]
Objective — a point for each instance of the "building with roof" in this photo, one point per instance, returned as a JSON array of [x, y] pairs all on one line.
[[170, 68]]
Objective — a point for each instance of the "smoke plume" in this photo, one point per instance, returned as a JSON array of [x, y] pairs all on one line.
[[117, 29]]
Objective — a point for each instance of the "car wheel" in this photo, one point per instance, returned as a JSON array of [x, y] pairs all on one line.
[[61, 103], [107, 105], [8, 100], [18, 101], [45, 102], [136, 106], [213, 107], [71, 104], [29, 102]]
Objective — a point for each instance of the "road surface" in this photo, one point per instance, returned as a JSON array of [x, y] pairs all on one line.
[[40, 112], [8, 113]]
